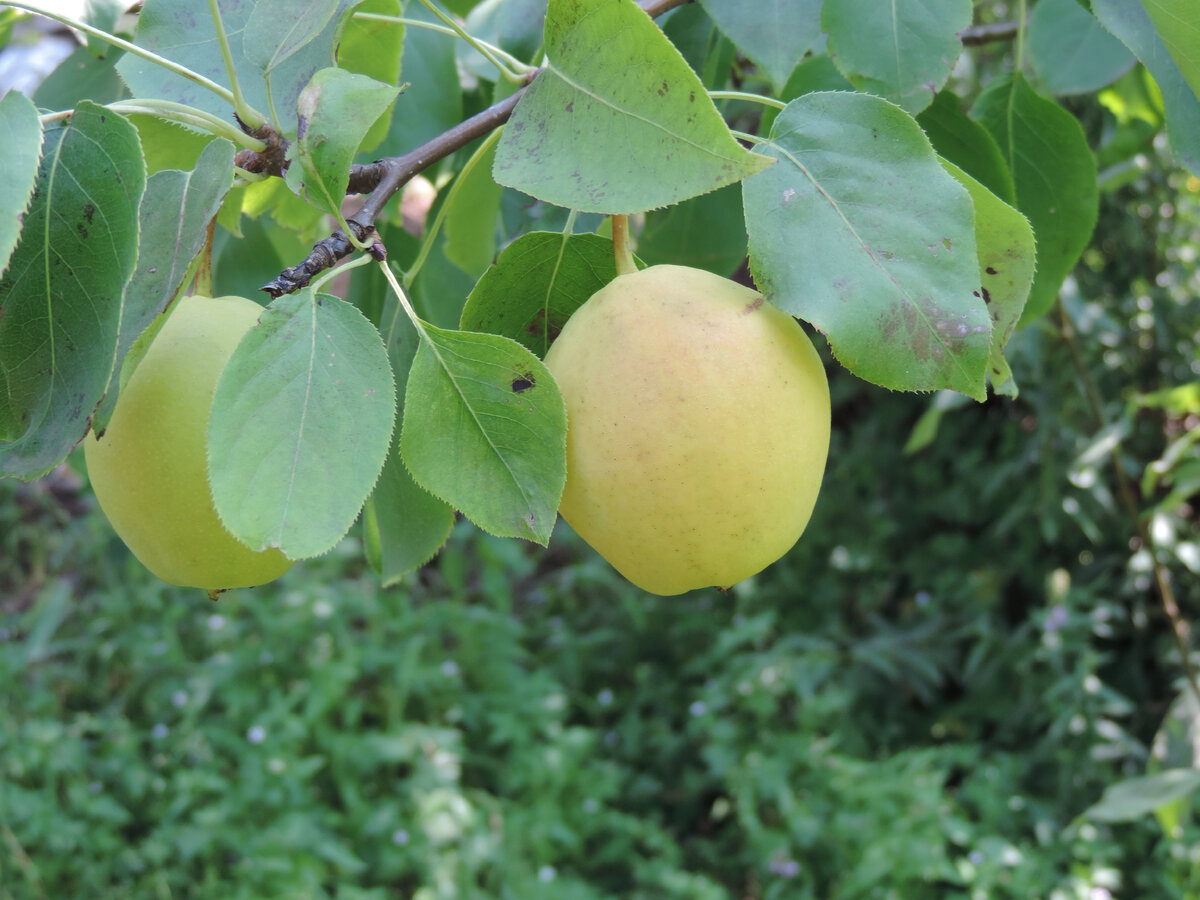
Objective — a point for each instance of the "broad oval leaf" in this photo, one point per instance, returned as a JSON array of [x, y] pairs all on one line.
[[860, 231], [538, 281], [1054, 176], [1071, 51], [774, 33], [903, 52], [616, 122], [61, 296], [21, 135], [301, 424], [336, 109], [1131, 23], [485, 429]]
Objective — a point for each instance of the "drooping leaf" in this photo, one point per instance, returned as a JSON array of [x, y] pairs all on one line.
[[1179, 28], [859, 230], [183, 31], [471, 215], [411, 523], [278, 29], [1135, 797], [21, 135], [903, 52], [174, 215], [60, 298], [640, 128], [485, 430], [538, 281], [967, 144], [336, 110], [1007, 261], [1054, 176], [374, 49], [1132, 24], [1071, 50], [774, 33], [301, 424]]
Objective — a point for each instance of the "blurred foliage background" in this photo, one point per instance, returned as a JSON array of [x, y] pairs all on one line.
[[927, 698]]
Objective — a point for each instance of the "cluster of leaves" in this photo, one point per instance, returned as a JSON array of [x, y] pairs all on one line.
[[927, 697], [888, 201]]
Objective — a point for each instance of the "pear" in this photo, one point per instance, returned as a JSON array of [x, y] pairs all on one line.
[[698, 423], [149, 469]]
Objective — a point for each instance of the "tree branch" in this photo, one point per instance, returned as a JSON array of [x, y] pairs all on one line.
[[986, 34], [383, 178]]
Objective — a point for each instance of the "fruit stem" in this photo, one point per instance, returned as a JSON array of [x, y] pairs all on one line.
[[622, 252]]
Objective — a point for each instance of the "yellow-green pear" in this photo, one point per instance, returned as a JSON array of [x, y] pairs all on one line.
[[697, 428], [149, 469]]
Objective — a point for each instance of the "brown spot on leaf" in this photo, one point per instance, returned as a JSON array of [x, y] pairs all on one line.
[[522, 383], [990, 270]]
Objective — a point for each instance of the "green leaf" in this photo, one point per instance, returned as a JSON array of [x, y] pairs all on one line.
[[432, 103], [967, 144], [336, 110], [411, 523], [301, 424], [705, 47], [81, 76], [538, 281], [774, 33], [60, 298], [485, 430], [1179, 27], [514, 26], [1071, 50], [471, 213], [278, 29], [173, 220], [817, 73], [1054, 174], [860, 231], [706, 232], [21, 135], [1176, 745], [1130, 22], [904, 52], [641, 129], [1007, 261], [1133, 798], [182, 31], [374, 49]]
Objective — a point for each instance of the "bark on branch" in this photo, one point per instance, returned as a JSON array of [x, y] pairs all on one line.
[[381, 179]]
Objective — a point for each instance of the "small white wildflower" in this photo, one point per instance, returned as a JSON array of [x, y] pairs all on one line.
[[256, 735], [547, 874], [399, 837]]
